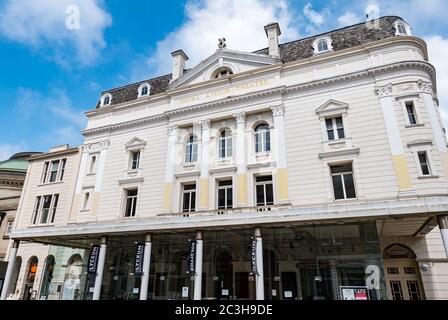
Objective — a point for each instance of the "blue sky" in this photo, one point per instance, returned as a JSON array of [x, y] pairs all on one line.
[[50, 74]]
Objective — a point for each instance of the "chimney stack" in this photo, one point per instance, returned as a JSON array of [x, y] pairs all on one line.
[[273, 32], [179, 58]]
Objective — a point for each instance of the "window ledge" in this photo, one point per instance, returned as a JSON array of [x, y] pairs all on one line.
[[133, 171], [41, 225], [50, 183], [414, 125], [342, 201], [338, 141], [84, 210], [91, 174], [428, 177]]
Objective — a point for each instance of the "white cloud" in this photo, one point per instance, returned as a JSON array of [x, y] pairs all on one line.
[[438, 47], [41, 25], [347, 19], [315, 17], [240, 22], [7, 150]]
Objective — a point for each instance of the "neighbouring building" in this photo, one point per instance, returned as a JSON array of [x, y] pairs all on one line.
[[314, 169]]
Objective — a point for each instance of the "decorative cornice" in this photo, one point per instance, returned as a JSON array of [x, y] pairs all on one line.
[[240, 117], [420, 142], [130, 180], [278, 110], [385, 91]]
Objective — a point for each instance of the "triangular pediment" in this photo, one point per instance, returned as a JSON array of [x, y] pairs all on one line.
[[236, 61], [332, 106], [135, 143]]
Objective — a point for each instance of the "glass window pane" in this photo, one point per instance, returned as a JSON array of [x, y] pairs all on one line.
[[221, 199], [193, 201], [330, 135], [337, 187], [229, 198], [229, 147], [128, 207], [260, 195], [55, 206], [257, 143], [349, 186], [329, 123], [264, 178], [268, 141], [269, 194], [341, 168], [186, 202]]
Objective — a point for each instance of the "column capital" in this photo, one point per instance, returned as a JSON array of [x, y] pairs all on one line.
[[385, 91], [425, 87], [171, 131], [205, 124], [278, 110], [240, 117]]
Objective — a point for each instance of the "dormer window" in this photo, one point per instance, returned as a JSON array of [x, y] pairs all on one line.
[[106, 99], [143, 90], [322, 45], [402, 28], [222, 72]]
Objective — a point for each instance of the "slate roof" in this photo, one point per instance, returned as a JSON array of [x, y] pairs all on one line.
[[344, 38]]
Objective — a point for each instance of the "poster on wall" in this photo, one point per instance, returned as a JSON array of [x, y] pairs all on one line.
[[354, 293]]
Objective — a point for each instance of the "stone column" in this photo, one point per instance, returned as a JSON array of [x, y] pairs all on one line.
[[205, 161], [198, 267], [434, 118], [100, 269], [396, 146], [280, 155], [259, 278], [240, 159], [169, 168], [10, 269], [443, 226], [146, 268]]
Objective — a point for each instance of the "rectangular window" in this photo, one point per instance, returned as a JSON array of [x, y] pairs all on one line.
[[93, 161], [264, 191], [225, 194], [131, 202], [424, 163], [9, 228], [335, 128], [410, 109], [343, 182], [54, 167], [62, 169], [85, 204], [189, 198], [45, 172], [45, 209], [135, 160]]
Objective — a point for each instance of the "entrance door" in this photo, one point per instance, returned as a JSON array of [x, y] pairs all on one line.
[[402, 274]]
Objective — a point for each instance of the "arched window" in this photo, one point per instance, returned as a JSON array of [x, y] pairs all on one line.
[[402, 29], [322, 46], [30, 277], [191, 154], [225, 144], [106, 99], [262, 138], [222, 72], [48, 276], [143, 90]]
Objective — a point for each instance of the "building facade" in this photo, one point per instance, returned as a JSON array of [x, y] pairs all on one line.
[[315, 169]]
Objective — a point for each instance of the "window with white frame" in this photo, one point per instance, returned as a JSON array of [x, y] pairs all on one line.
[[225, 144], [131, 196], [143, 90], [189, 198], [135, 160], [335, 128], [8, 229], [262, 137], [322, 45], [264, 190], [424, 163], [411, 112], [225, 194], [106, 100], [45, 209], [343, 181], [54, 171], [93, 163], [191, 149], [86, 200]]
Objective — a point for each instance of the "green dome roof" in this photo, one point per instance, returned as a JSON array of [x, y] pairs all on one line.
[[14, 165]]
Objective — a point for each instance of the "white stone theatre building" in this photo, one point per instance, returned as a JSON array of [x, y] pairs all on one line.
[[314, 169]]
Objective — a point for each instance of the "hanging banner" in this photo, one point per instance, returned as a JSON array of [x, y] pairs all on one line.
[[191, 261], [139, 255], [253, 256], [93, 259]]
